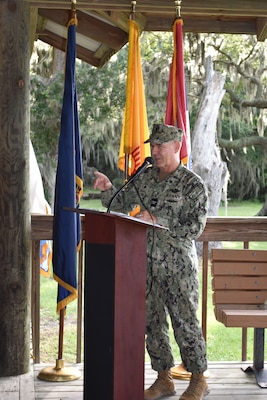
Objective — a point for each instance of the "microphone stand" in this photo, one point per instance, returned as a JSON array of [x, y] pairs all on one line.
[[148, 162], [117, 193]]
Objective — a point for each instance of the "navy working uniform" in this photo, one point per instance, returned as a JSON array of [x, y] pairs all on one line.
[[179, 202]]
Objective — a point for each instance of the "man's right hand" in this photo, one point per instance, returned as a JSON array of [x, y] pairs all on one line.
[[102, 182]]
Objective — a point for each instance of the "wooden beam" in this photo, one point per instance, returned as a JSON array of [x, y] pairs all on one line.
[[236, 229], [261, 28], [33, 25], [60, 43], [209, 7], [220, 26], [208, 25], [89, 26], [121, 19]]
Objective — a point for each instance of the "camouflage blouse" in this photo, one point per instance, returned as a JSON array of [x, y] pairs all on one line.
[[179, 203]]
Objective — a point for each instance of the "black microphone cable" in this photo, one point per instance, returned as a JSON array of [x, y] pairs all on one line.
[[148, 290]]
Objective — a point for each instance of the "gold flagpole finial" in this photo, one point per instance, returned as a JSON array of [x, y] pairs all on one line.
[[73, 5], [133, 5], [178, 8], [72, 11]]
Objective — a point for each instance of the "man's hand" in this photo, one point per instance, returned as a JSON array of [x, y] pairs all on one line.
[[102, 182], [146, 216]]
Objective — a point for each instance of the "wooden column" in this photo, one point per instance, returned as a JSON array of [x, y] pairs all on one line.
[[14, 188]]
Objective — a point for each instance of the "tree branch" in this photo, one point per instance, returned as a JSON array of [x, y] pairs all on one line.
[[243, 142], [238, 102], [259, 100]]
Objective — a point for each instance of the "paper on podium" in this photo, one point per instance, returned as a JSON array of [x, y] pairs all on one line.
[[150, 224], [118, 214]]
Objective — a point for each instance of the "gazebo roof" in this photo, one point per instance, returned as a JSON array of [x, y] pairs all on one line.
[[103, 24]]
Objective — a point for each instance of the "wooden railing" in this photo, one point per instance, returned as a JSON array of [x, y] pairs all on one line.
[[218, 229]]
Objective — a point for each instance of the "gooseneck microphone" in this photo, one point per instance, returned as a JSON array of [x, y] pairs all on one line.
[[147, 163]]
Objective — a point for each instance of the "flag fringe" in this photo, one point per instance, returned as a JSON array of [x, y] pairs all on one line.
[[72, 296], [72, 21]]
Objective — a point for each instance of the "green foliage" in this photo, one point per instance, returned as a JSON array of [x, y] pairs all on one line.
[[101, 102], [101, 95], [46, 103]]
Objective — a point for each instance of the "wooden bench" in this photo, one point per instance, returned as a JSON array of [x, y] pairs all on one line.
[[239, 285]]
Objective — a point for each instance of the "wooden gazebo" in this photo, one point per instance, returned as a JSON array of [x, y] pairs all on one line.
[[103, 25], [102, 31]]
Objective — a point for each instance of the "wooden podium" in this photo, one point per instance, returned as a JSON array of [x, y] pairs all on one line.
[[114, 306]]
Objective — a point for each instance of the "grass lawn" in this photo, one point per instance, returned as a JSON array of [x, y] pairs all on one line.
[[240, 209], [223, 344]]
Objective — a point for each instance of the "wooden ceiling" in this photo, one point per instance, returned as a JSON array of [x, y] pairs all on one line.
[[103, 24]]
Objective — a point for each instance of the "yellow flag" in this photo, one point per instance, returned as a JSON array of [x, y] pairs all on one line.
[[135, 126]]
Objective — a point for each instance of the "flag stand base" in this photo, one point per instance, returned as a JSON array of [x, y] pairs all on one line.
[[59, 373]]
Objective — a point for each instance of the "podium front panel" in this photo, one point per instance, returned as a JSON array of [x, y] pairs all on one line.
[[115, 278]]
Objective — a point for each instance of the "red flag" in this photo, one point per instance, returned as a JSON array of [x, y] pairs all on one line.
[[176, 109]]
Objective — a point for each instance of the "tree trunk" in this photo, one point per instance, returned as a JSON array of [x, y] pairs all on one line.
[[58, 61], [14, 188], [206, 158], [263, 210]]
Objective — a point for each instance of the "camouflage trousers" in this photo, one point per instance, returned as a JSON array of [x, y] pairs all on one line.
[[176, 295]]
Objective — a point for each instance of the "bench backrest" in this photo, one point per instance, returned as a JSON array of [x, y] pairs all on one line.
[[239, 286], [239, 279]]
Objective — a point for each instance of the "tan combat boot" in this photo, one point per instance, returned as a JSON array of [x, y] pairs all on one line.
[[197, 388], [163, 386]]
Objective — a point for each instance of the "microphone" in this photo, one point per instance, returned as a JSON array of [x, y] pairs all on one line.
[[147, 163]]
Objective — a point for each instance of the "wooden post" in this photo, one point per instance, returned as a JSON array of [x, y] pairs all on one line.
[[15, 268], [205, 270]]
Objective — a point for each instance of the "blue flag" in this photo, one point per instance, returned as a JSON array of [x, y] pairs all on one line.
[[69, 184]]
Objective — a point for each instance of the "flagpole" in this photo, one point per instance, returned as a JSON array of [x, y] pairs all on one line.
[[60, 373], [127, 155], [133, 149], [60, 361], [61, 333], [178, 8], [179, 371]]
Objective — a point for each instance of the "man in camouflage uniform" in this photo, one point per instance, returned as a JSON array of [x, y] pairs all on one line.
[[172, 196]]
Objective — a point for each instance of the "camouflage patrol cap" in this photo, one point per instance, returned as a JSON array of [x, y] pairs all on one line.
[[164, 133]]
